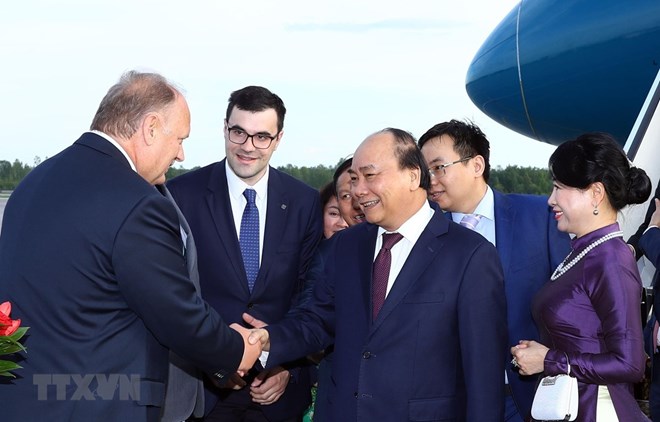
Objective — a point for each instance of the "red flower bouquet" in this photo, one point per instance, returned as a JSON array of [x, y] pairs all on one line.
[[10, 334]]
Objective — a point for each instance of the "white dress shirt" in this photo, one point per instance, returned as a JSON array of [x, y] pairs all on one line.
[[410, 230], [485, 208]]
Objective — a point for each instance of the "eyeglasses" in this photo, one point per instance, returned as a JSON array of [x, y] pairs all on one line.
[[260, 140], [441, 169]]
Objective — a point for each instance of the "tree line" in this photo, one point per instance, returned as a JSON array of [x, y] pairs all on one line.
[[512, 179]]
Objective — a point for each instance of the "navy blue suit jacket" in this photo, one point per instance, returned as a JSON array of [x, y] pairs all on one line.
[[293, 230], [436, 350], [91, 259], [530, 248], [650, 241]]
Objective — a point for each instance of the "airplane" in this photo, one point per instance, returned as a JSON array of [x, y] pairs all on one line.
[[552, 70]]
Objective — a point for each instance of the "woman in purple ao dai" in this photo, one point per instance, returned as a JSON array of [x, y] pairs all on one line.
[[588, 313]]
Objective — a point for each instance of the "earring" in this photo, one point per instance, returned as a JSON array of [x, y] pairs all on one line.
[[595, 210]]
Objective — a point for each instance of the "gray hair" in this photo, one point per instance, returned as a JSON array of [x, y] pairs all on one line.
[[129, 100]]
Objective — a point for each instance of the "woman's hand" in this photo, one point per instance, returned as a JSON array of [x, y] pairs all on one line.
[[529, 356]]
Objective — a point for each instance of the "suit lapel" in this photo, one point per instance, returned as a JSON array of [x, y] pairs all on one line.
[[277, 212], [189, 243], [504, 230], [422, 254], [217, 200]]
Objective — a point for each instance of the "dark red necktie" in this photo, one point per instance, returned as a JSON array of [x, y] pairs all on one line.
[[381, 271]]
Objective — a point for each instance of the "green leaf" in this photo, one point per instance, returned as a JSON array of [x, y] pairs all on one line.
[[6, 366], [8, 348], [10, 344], [19, 333]]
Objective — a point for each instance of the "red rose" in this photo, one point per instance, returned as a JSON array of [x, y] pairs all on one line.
[[7, 325]]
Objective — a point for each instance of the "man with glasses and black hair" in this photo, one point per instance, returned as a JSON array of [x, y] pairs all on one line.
[[256, 230], [522, 228]]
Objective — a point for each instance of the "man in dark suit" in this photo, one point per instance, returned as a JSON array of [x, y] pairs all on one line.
[[91, 258], [645, 243], [215, 200], [422, 338], [522, 228]]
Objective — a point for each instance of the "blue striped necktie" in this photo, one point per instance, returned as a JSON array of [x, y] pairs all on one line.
[[249, 237]]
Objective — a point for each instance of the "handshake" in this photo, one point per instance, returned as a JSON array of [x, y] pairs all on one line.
[[255, 341]]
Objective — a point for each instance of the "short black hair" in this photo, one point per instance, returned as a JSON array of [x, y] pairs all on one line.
[[255, 99], [326, 193], [341, 168], [469, 140]]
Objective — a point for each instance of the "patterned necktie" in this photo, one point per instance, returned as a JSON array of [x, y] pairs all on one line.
[[381, 271], [470, 221], [249, 237]]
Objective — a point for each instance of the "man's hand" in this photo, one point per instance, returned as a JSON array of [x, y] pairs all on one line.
[[253, 341], [269, 386], [258, 335]]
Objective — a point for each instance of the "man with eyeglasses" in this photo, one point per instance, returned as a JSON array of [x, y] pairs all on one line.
[[522, 228], [256, 230]]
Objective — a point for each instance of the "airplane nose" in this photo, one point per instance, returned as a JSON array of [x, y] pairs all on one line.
[[553, 70], [492, 80]]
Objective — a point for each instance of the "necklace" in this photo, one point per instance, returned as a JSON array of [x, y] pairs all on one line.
[[563, 267]]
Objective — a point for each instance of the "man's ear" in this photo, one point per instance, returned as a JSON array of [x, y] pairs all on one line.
[[149, 128], [479, 165], [415, 178]]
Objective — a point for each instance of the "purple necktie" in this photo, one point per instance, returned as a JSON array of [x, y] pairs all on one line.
[[470, 221], [249, 237], [381, 271]]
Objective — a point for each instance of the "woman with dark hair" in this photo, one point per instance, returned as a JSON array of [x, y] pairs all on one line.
[[332, 218], [588, 313]]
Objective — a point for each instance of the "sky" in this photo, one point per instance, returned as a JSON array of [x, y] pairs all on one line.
[[344, 69]]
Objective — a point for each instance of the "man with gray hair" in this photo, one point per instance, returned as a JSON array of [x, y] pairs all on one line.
[[92, 259]]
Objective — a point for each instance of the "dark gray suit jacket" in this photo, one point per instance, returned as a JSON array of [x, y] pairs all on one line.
[[184, 395]]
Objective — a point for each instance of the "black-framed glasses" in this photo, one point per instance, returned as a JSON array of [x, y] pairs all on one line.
[[260, 140], [441, 169]]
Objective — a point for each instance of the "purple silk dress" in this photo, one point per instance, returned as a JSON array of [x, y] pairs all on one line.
[[591, 313]]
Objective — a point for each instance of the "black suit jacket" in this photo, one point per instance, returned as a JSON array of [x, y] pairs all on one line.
[[91, 259]]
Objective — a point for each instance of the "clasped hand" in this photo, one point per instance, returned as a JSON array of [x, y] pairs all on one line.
[[529, 357], [268, 386], [254, 341]]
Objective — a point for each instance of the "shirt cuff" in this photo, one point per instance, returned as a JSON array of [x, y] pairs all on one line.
[[263, 358]]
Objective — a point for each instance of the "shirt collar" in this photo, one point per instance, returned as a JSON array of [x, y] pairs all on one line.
[[117, 145], [415, 225], [237, 186], [485, 207]]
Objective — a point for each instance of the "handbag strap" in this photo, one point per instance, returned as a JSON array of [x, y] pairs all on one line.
[[568, 363]]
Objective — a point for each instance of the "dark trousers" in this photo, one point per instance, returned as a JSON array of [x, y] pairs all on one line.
[[233, 412], [654, 399]]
